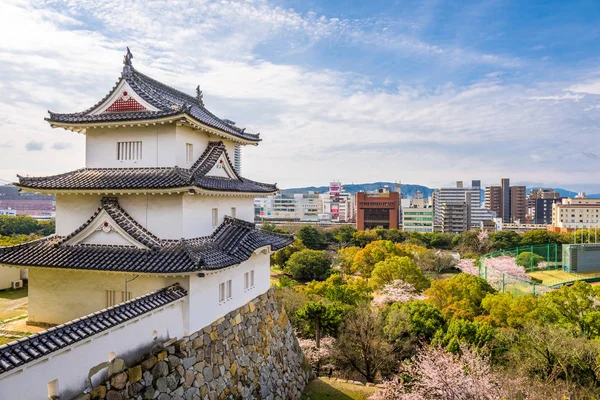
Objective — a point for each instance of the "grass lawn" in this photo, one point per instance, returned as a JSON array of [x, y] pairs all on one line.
[[325, 389], [4, 340], [13, 303]]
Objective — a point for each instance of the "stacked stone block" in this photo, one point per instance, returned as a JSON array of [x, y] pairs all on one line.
[[251, 353]]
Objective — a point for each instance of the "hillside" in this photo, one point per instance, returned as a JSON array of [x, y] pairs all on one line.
[[408, 190]]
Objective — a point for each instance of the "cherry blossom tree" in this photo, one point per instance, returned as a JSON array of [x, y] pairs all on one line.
[[467, 265], [397, 291], [316, 356], [432, 374], [496, 266]]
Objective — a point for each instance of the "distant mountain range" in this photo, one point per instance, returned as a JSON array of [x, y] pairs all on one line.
[[567, 193], [408, 190]]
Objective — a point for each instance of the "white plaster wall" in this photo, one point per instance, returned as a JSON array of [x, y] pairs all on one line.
[[158, 146], [71, 365], [160, 214], [197, 212], [204, 292], [73, 210], [8, 275], [184, 135]]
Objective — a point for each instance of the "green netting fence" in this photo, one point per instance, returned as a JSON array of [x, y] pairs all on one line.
[[506, 270]]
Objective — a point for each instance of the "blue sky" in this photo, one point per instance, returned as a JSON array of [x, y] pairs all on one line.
[[424, 92]]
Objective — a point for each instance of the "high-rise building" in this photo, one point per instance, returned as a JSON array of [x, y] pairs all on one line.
[[493, 195], [458, 195], [456, 216], [508, 202], [518, 203], [377, 209]]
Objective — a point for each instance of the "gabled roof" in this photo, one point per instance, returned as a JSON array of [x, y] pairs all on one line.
[[150, 100], [18, 353], [106, 179], [231, 243]]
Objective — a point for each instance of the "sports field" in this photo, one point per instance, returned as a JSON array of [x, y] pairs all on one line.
[[556, 277]]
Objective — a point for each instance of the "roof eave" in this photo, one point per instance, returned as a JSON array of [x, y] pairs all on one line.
[[193, 122], [160, 191]]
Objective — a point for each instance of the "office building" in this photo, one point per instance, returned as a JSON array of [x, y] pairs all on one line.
[[577, 213], [377, 209], [458, 195], [417, 216]]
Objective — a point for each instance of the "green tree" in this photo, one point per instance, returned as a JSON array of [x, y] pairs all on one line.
[[281, 257], [459, 297], [475, 333], [396, 267], [507, 310], [343, 234], [363, 238], [350, 291], [320, 319], [362, 347], [270, 227], [528, 259], [346, 257], [440, 240], [576, 306], [503, 240], [531, 238], [374, 252], [417, 319], [308, 265], [434, 261], [311, 237], [291, 301], [19, 225]]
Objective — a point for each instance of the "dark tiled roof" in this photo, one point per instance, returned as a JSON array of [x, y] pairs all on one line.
[[231, 243], [23, 351], [167, 100], [151, 177]]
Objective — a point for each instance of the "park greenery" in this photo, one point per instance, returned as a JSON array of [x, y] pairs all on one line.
[[23, 228], [393, 307]]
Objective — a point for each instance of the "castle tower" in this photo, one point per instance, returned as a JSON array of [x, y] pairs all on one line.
[[159, 202]]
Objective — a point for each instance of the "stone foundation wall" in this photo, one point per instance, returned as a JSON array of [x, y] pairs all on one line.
[[251, 353]]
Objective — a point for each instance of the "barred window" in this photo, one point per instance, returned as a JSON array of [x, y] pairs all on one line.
[[129, 151]]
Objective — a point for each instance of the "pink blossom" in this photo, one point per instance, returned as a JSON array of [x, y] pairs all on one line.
[[313, 355], [467, 265], [436, 374], [397, 292], [496, 266]]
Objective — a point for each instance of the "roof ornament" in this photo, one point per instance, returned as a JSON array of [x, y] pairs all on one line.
[[199, 96], [127, 65]]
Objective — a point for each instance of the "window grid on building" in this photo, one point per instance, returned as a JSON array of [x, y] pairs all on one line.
[[233, 212], [249, 280], [189, 152], [129, 151]]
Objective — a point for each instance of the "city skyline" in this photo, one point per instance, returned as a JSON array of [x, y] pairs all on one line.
[[429, 90]]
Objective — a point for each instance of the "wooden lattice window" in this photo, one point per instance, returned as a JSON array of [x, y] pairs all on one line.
[[129, 151]]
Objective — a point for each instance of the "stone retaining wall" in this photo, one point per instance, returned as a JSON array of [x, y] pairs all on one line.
[[251, 353]]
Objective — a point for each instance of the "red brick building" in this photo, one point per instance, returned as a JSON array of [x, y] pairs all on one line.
[[377, 210]]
